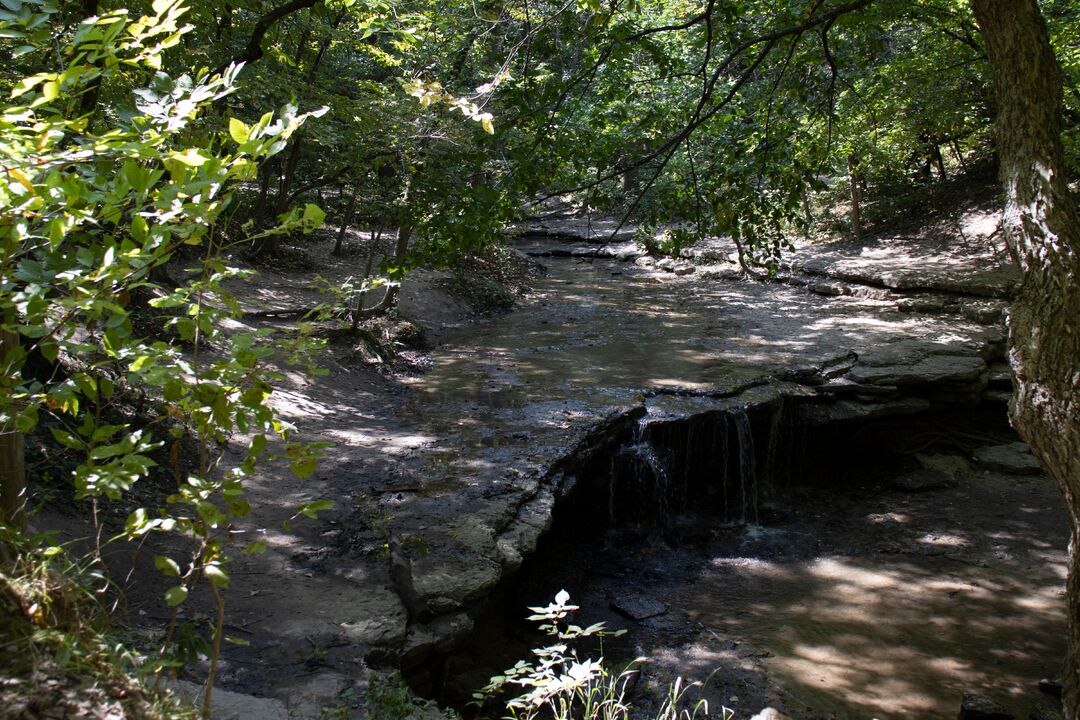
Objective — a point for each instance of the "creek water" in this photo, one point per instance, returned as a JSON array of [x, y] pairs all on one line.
[[859, 603], [840, 598]]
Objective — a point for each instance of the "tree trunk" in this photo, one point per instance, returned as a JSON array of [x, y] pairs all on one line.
[[346, 219], [288, 173], [939, 161], [400, 249], [265, 175], [358, 314], [12, 451], [1043, 235]]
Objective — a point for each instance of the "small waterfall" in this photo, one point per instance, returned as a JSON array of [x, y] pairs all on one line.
[[688, 466], [744, 436], [640, 487], [720, 459]]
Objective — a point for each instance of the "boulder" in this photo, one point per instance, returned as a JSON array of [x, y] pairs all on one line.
[[1012, 458]]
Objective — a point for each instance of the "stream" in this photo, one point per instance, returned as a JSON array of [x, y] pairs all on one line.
[[830, 592]]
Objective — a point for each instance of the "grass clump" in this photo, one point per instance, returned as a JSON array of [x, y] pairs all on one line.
[[58, 658]]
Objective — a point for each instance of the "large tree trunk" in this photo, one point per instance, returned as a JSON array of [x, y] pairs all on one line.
[[1041, 228]]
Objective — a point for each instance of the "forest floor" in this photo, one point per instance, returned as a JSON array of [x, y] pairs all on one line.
[[436, 458]]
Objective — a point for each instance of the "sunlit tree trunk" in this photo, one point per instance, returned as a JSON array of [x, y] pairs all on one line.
[[1043, 236]]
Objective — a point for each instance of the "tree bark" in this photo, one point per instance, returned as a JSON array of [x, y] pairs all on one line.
[[346, 220], [401, 248], [1043, 236]]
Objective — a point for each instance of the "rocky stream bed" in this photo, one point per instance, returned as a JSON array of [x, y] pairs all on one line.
[[806, 485]]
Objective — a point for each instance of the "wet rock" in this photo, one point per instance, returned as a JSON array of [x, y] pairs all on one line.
[[438, 636], [922, 305], [978, 707], [1000, 376], [638, 607], [308, 697], [986, 313], [645, 261], [447, 582], [931, 370], [683, 269], [226, 705], [851, 410], [997, 396], [1013, 458], [922, 480]]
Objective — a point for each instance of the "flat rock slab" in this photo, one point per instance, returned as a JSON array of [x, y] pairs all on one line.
[[933, 370], [638, 607], [1013, 458]]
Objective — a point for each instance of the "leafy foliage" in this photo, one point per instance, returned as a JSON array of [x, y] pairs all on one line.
[[94, 205], [559, 684]]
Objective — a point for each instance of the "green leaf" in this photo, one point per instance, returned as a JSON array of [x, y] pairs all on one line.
[[303, 467], [312, 509], [28, 83], [168, 566], [67, 439], [210, 513], [216, 575], [239, 131], [176, 595], [191, 157], [258, 547], [313, 217]]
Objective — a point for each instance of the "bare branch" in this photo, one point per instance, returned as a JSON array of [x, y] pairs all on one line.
[[254, 49]]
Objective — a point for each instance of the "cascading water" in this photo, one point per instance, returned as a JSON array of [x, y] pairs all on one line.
[[747, 467], [705, 463], [640, 482]]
